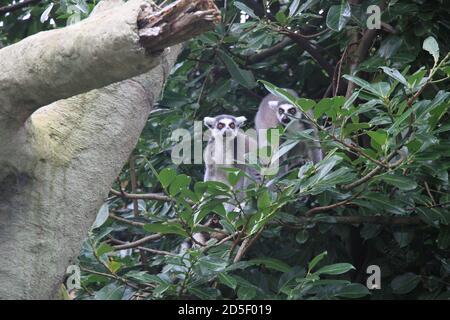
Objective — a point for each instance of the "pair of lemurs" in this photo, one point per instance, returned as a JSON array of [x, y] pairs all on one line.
[[228, 145]]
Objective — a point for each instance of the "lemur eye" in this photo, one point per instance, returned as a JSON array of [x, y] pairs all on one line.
[[232, 125], [220, 125], [292, 111], [280, 111]]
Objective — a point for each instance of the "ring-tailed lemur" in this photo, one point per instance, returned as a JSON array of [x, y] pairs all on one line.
[[274, 111], [228, 147]]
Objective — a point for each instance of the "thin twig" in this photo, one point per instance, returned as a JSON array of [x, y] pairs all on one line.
[[130, 222], [266, 53], [137, 243], [144, 196], [246, 245], [345, 202], [427, 187], [161, 252]]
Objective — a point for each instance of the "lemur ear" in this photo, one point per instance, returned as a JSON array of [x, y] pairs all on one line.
[[240, 121], [273, 104], [209, 122]]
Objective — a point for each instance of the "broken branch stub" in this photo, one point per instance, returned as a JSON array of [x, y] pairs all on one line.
[[176, 23]]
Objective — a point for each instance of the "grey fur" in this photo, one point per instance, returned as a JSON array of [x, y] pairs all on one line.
[[224, 148], [267, 118]]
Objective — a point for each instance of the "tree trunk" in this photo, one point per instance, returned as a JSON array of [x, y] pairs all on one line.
[[65, 136]]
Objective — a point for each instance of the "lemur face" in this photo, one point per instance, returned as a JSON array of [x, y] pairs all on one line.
[[224, 125], [285, 112]]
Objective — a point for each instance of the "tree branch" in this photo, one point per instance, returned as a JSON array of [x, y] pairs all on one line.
[[246, 244], [137, 246], [176, 23], [359, 47], [107, 47], [314, 52], [332, 206], [144, 196], [264, 54], [67, 154], [139, 242], [359, 54]]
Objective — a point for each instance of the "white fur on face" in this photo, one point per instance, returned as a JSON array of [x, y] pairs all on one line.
[[226, 127], [286, 113]]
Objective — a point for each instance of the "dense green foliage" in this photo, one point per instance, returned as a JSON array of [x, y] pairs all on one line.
[[380, 196]]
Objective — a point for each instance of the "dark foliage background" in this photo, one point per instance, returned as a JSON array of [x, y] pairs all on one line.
[[395, 216]]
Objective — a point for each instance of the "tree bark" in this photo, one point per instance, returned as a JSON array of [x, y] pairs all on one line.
[[59, 157]]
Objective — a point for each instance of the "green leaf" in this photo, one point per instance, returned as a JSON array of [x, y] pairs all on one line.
[[246, 293], [104, 248], [284, 148], [405, 283], [163, 287], [272, 263], [334, 269], [302, 236], [210, 263], [244, 77], [264, 200], [281, 17], [114, 266], [228, 280], [102, 216], [379, 201], [166, 228], [326, 165], [281, 93], [348, 103], [204, 293], [46, 13], [144, 277], [401, 182], [293, 7], [429, 216], [380, 89], [308, 4], [379, 137], [234, 175], [243, 7], [353, 291], [112, 291], [338, 16], [446, 70], [430, 44], [397, 126], [166, 176], [329, 106], [180, 183], [403, 238], [305, 104], [316, 260], [440, 98], [395, 74]]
